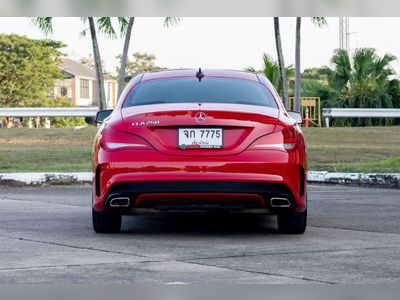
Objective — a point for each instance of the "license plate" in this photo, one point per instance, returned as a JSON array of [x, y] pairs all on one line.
[[200, 138]]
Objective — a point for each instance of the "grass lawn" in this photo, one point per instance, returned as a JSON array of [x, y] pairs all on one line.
[[56, 149], [350, 149], [368, 149]]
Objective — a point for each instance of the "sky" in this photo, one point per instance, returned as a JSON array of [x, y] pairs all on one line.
[[227, 43]]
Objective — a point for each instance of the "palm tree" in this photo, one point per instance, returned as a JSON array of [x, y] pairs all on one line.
[[297, 79], [124, 57], [271, 71], [364, 81], [97, 64], [281, 61], [125, 28], [171, 21], [320, 22], [168, 21], [45, 24], [340, 78]]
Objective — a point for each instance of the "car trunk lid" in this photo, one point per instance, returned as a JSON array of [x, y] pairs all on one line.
[[159, 125]]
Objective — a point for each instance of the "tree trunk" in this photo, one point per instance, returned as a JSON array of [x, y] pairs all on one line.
[[124, 57], [98, 67], [281, 62], [297, 82]]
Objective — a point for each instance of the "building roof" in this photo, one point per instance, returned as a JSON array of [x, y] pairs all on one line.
[[75, 68]]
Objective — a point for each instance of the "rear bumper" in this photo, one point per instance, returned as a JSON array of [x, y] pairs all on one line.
[[200, 195], [244, 181]]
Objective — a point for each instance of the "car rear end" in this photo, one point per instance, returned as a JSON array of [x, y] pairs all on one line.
[[218, 141]]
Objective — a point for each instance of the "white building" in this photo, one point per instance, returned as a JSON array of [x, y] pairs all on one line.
[[79, 85]]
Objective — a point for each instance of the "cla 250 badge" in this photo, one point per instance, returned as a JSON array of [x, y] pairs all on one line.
[[145, 123]]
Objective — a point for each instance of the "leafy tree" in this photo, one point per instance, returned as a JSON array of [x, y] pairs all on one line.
[[318, 74], [142, 62], [46, 25], [315, 83], [28, 70]]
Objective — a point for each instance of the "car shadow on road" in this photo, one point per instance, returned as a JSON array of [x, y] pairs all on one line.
[[189, 223]]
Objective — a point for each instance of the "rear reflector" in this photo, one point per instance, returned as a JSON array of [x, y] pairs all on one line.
[[97, 180], [289, 146], [113, 145]]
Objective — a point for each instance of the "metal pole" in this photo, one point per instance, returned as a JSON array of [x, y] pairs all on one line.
[[307, 122]]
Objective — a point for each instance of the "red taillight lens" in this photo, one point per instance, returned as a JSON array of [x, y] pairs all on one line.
[[289, 138], [114, 139], [285, 139]]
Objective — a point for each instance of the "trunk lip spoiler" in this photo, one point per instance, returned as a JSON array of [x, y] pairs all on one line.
[[191, 106]]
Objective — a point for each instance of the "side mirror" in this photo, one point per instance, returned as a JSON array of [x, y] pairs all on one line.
[[296, 116], [102, 115]]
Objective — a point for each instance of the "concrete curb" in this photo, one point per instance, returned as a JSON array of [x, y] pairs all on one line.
[[50, 178], [391, 180]]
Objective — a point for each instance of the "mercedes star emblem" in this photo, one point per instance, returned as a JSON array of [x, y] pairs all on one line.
[[200, 117]]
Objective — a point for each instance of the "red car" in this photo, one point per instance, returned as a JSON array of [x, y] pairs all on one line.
[[193, 140]]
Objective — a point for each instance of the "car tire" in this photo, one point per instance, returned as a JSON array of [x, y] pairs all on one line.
[[106, 222], [292, 223]]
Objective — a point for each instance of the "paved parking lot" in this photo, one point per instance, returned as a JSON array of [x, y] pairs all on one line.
[[353, 237]]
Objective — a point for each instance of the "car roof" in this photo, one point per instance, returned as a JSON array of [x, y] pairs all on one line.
[[192, 73]]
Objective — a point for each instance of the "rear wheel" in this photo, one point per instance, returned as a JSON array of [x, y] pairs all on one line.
[[106, 222], [292, 223]]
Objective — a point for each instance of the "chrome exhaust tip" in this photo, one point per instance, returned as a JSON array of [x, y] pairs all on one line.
[[119, 202], [280, 202]]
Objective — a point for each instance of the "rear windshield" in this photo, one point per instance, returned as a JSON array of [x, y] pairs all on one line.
[[209, 89]]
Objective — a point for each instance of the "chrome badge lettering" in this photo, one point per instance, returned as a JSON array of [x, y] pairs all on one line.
[[145, 123]]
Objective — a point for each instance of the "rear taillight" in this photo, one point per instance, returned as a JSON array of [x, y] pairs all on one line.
[[114, 139], [284, 139], [289, 138]]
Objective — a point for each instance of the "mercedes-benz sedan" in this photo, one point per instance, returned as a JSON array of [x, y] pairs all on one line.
[[192, 140]]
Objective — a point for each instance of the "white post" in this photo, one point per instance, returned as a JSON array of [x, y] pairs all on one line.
[[327, 122], [37, 122], [47, 123]]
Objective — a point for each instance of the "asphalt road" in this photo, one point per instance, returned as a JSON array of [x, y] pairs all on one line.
[[46, 236]]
